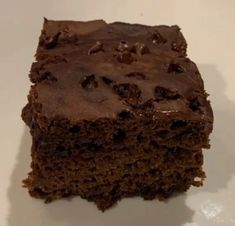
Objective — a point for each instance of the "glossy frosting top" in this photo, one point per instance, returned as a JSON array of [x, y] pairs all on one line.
[[91, 70]]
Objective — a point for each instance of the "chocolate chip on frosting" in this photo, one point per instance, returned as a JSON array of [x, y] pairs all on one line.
[[130, 92], [162, 93], [51, 42], [89, 82], [157, 38], [123, 46], [125, 57], [175, 67], [98, 46], [140, 48], [179, 47], [107, 80]]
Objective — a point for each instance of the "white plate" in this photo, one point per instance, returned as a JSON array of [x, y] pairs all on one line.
[[209, 29]]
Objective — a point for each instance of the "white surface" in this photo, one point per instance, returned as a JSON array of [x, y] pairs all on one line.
[[208, 26]]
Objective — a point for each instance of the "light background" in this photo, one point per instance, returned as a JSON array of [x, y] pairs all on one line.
[[209, 27]]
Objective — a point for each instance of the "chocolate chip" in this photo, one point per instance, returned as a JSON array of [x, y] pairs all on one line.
[[125, 90], [162, 93], [89, 82], [140, 49], [51, 42], [130, 92], [107, 81], [123, 46], [137, 75], [157, 38], [194, 104], [147, 105], [175, 67], [179, 47], [125, 57], [68, 35], [98, 46]]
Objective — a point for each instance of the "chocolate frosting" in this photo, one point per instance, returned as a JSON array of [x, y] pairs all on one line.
[[90, 70]]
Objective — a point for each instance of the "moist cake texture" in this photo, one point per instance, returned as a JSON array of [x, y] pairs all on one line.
[[115, 110]]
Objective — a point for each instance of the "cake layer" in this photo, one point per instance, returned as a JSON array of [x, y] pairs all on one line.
[[104, 176], [127, 129]]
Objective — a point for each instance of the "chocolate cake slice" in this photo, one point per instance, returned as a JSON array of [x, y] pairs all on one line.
[[115, 110]]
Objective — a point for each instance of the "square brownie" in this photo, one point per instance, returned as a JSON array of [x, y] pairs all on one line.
[[115, 110]]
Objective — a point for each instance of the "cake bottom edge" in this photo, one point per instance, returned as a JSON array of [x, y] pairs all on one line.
[[111, 194]]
